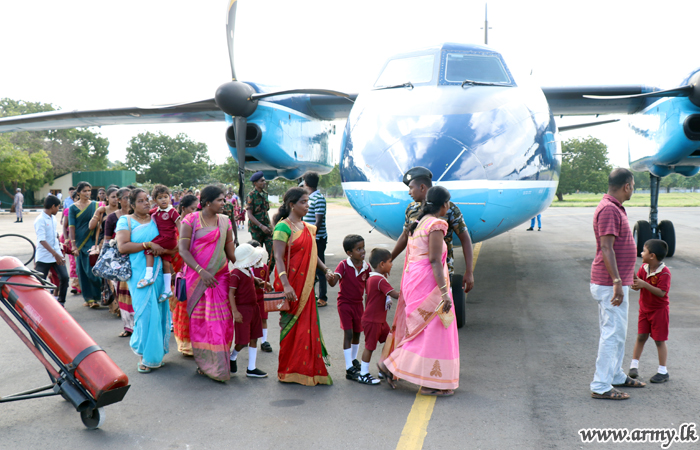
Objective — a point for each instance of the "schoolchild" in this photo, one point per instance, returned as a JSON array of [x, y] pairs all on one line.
[[379, 294], [352, 273], [654, 282], [167, 219], [244, 305], [262, 271]]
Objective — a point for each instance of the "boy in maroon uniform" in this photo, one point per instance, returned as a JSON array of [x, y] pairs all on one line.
[[379, 295], [244, 305], [262, 271], [167, 219], [352, 273], [654, 281]]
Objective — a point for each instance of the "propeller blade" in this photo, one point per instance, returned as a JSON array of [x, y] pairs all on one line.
[[301, 91], [240, 124], [683, 91], [230, 28]]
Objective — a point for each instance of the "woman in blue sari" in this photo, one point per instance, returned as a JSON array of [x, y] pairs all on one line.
[[82, 240], [151, 336]]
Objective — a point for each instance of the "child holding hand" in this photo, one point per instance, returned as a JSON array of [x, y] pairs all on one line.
[[262, 271], [244, 305], [168, 220], [352, 273], [379, 295], [654, 282]]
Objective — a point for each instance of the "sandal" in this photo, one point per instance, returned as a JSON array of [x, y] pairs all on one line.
[[145, 282], [142, 369], [388, 376], [124, 334], [631, 383], [321, 303], [612, 394], [94, 305], [437, 392]]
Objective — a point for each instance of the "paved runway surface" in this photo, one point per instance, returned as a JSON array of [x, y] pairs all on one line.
[[527, 357]]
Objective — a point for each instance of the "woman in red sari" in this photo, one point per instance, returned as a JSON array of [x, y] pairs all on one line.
[[303, 357]]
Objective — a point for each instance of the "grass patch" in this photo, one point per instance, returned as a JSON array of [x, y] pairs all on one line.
[[673, 199], [340, 201]]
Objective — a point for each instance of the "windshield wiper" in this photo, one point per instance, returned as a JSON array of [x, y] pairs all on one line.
[[407, 84], [481, 83]]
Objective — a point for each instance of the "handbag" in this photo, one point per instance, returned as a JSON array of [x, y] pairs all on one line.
[[276, 301], [180, 287], [111, 264]]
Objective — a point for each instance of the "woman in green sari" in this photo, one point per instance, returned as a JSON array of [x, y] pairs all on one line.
[[82, 239]]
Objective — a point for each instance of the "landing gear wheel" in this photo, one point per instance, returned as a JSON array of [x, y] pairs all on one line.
[[642, 233], [459, 300], [668, 235], [93, 418]]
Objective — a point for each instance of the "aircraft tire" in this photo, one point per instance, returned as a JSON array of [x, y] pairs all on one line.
[[459, 300], [642, 233], [668, 235]]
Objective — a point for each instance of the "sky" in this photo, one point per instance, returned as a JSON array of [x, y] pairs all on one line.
[[79, 54]]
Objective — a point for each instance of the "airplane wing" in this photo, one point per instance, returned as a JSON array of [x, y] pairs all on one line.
[[201, 111], [570, 100]]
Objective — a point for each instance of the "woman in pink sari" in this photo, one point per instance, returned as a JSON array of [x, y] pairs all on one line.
[[425, 346], [206, 245]]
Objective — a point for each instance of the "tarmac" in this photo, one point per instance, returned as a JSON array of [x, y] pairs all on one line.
[[527, 356]]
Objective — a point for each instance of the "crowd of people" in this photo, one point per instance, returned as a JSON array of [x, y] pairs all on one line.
[[191, 276]]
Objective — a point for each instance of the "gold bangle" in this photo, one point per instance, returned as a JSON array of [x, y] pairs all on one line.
[[446, 293], [283, 273], [443, 286], [198, 268], [189, 239]]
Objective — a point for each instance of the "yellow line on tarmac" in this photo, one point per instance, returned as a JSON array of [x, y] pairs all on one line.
[[416, 428]]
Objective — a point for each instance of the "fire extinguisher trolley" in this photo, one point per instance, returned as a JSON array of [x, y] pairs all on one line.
[[79, 369]]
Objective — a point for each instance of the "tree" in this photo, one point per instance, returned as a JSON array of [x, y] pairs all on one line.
[[167, 160], [584, 167], [19, 168], [226, 173], [77, 149], [331, 183]]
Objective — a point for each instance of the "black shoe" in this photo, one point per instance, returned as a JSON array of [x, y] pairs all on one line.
[[539, 229], [255, 373], [266, 347], [356, 364], [659, 378], [633, 373], [352, 374], [234, 367], [530, 229], [367, 379]]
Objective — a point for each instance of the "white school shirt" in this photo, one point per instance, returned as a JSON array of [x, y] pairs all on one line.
[[46, 228]]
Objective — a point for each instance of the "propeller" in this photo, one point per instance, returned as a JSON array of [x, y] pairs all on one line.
[[691, 90], [239, 100]]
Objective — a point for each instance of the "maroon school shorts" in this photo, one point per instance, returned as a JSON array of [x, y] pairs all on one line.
[[166, 243], [261, 306], [351, 316], [655, 323], [375, 332], [251, 328]]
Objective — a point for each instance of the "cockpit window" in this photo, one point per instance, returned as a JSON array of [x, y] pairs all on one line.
[[414, 69], [475, 67]]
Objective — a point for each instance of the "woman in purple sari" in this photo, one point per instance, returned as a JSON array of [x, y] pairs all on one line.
[[206, 245]]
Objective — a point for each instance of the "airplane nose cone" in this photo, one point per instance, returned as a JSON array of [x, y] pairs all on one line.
[[446, 157]]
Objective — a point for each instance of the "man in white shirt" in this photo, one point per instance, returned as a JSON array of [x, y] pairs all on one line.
[[48, 249], [19, 201]]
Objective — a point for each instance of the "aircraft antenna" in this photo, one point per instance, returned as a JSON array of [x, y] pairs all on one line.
[[486, 27]]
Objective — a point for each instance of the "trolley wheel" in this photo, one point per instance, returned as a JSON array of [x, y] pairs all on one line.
[[93, 418], [30, 243]]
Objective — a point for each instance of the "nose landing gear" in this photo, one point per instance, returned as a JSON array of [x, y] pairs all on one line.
[[653, 229]]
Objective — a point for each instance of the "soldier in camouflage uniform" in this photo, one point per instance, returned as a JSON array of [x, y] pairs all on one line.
[[257, 207], [419, 180]]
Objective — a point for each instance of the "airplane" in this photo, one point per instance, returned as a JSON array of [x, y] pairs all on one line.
[[456, 109]]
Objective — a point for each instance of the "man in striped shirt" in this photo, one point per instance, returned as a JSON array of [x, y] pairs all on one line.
[[317, 216], [612, 274]]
